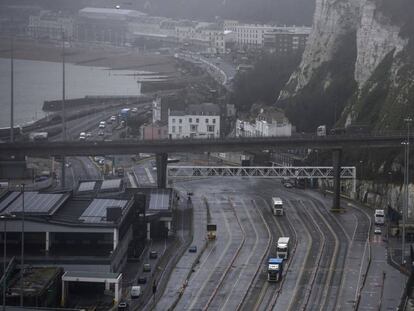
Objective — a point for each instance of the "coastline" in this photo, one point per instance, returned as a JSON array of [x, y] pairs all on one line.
[[114, 58]]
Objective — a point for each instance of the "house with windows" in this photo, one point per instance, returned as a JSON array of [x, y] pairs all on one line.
[[198, 121], [267, 123]]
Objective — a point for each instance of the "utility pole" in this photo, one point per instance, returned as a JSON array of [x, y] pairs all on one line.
[[22, 254], [11, 86], [406, 180], [63, 109]]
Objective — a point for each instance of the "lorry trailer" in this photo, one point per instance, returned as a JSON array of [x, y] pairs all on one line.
[[379, 217], [277, 206], [282, 249]]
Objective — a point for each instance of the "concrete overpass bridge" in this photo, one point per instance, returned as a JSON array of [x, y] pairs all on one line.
[[87, 148], [336, 143]]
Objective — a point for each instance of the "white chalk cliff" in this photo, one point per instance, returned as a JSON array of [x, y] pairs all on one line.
[[374, 33]]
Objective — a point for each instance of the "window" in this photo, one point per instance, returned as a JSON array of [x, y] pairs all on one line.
[[173, 120], [197, 120], [180, 121], [173, 129], [190, 120], [206, 120], [194, 127], [180, 129], [214, 121], [210, 128]]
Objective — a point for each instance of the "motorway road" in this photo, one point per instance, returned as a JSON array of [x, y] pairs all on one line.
[[326, 269]]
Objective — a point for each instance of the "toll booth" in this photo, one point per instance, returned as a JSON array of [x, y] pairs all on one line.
[[211, 231]]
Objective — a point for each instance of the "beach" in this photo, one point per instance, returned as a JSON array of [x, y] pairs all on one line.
[[119, 58]]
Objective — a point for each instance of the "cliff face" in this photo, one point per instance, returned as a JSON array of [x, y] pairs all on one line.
[[368, 37]]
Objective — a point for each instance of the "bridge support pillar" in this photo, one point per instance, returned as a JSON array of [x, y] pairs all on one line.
[[162, 160], [336, 159]]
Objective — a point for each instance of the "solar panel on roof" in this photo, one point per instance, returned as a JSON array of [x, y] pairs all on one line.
[[35, 203], [11, 197], [86, 186], [111, 184], [159, 199], [96, 211]]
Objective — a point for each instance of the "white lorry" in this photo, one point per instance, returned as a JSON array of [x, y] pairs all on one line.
[[277, 206], [282, 248], [379, 217]]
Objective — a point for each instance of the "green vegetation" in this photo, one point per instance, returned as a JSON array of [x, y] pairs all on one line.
[[263, 83]]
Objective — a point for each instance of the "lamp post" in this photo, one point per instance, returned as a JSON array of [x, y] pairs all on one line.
[[406, 180], [22, 254], [11, 88], [4, 218]]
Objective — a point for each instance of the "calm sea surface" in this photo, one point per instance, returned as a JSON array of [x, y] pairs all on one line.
[[37, 81]]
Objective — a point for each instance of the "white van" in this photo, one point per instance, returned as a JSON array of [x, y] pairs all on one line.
[[135, 291]]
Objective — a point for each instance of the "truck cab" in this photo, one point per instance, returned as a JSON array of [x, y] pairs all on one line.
[[277, 206], [282, 250], [274, 269]]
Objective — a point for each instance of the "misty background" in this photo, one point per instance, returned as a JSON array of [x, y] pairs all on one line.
[[289, 12]]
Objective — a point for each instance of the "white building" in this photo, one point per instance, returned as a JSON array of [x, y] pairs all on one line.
[[247, 34], [199, 121], [50, 25], [259, 35], [206, 35], [266, 124]]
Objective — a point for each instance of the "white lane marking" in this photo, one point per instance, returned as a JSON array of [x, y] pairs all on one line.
[[132, 181], [246, 262], [151, 179], [201, 289]]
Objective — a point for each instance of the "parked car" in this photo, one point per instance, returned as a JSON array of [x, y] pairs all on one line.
[[113, 118], [134, 110], [146, 267], [193, 249], [377, 230], [153, 254]]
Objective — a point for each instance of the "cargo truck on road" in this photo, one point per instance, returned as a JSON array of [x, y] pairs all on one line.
[[282, 250], [274, 269], [277, 206]]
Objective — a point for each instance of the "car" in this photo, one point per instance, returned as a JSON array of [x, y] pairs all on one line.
[[102, 124], [193, 249], [377, 230], [146, 267], [113, 118], [288, 185], [153, 254], [123, 306], [134, 110], [101, 133], [101, 162], [82, 136], [135, 291], [88, 134], [142, 280]]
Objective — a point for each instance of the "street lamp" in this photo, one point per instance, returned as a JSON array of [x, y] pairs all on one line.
[[22, 254], [4, 219], [406, 179]]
